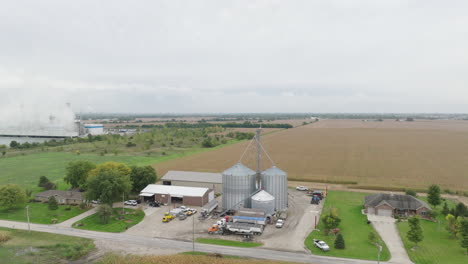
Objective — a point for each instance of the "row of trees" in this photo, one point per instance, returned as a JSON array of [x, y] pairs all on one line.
[[107, 182]]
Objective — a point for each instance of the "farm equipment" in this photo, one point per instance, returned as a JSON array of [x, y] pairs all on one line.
[[223, 227], [315, 200], [318, 193], [167, 217]]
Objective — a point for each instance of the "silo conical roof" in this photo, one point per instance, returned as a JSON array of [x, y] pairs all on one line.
[[263, 196], [274, 171], [239, 170]]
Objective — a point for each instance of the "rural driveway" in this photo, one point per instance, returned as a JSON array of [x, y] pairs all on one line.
[[69, 222], [387, 229], [159, 244]]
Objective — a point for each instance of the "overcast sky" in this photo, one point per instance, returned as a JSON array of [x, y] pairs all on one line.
[[236, 56]]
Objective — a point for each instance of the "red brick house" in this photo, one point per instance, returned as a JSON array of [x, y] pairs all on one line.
[[384, 204]]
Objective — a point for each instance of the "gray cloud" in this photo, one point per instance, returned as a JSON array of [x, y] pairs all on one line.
[[232, 56]]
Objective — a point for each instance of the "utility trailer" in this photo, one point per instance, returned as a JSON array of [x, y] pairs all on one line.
[[244, 228]]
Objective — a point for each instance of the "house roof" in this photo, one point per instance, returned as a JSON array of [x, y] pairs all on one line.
[[64, 194], [174, 191], [397, 201], [193, 176]]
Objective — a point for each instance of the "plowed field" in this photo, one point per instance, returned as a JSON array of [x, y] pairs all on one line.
[[389, 153]]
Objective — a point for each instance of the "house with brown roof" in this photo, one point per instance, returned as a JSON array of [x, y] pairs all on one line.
[[62, 197], [384, 204]]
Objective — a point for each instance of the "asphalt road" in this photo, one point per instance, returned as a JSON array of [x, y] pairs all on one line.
[[160, 243]]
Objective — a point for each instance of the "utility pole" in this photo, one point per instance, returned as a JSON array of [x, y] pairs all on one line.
[[193, 235], [259, 156], [123, 204], [378, 256], [27, 215]]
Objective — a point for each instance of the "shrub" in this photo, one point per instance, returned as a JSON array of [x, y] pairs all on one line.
[[52, 203], [68, 208], [339, 242], [4, 237], [83, 205], [411, 192]]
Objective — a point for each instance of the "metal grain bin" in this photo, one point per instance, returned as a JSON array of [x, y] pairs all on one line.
[[275, 182], [264, 201], [238, 185]]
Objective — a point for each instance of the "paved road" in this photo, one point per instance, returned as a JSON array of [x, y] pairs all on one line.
[[159, 243], [387, 229]]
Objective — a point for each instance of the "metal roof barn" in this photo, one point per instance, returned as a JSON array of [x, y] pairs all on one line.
[[275, 182], [238, 185], [167, 194], [194, 179]]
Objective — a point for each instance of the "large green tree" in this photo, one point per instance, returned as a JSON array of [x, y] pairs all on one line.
[[104, 211], [464, 234], [12, 196], [415, 233], [433, 195], [453, 226], [77, 172], [331, 220], [142, 176], [108, 186], [52, 203]]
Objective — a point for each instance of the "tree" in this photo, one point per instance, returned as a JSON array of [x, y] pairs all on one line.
[[42, 181], [445, 209], [107, 186], [142, 176], [77, 172], [452, 224], [331, 220], [12, 196], [3, 153], [104, 211], [107, 166], [14, 144], [464, 234], [52, 203], [411, 192], [415, 234], [461, 210], [433, 195], [50, 186], [339, 242]]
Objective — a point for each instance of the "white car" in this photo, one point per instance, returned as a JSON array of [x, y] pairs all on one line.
[[321, 245], [302, 188], [279, 223], [131, 202]]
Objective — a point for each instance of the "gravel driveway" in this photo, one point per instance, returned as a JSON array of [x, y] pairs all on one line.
[[387, 229]]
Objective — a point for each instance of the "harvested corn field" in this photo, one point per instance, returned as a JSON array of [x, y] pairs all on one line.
[[387, 154]]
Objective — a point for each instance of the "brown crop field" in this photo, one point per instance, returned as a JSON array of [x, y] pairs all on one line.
[[384, 154]]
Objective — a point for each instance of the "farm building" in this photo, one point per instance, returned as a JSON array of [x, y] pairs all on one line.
[[209, 180], [62, 197], [384, 204], [167, 194]]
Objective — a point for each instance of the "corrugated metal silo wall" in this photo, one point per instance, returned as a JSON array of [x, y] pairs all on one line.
[[267, 206], [236, 189], [277, 185]]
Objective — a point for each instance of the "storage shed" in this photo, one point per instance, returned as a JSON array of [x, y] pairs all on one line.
[[209, 180], [168, 194]]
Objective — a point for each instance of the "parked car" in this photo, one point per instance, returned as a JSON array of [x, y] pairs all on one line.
[[154, 204], [182, 216], [95, 202], [302, 188], [131, 202], [321, 245], [279, 223]]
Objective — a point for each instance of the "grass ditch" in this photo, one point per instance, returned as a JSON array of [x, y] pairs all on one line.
[[38, 247], [229, 243], [39, 213]]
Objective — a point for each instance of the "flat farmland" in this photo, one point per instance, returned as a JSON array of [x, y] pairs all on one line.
[[387, 154]]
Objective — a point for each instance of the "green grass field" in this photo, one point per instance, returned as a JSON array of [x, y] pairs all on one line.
[[41, 248], [40, 214], [353, 226], [115, 225], [229, 243], [438, 246]]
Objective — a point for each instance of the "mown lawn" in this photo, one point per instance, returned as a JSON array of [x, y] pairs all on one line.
[[40, 214], [230, 243], [116, 223], [438, 246], [37, 247], [353, 226]]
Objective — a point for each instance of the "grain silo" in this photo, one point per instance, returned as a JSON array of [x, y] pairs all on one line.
[[275, 182], [238, 186], [264, 201]]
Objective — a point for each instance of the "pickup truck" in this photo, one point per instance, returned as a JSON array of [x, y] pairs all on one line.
[[321, 245], [279, 223]]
